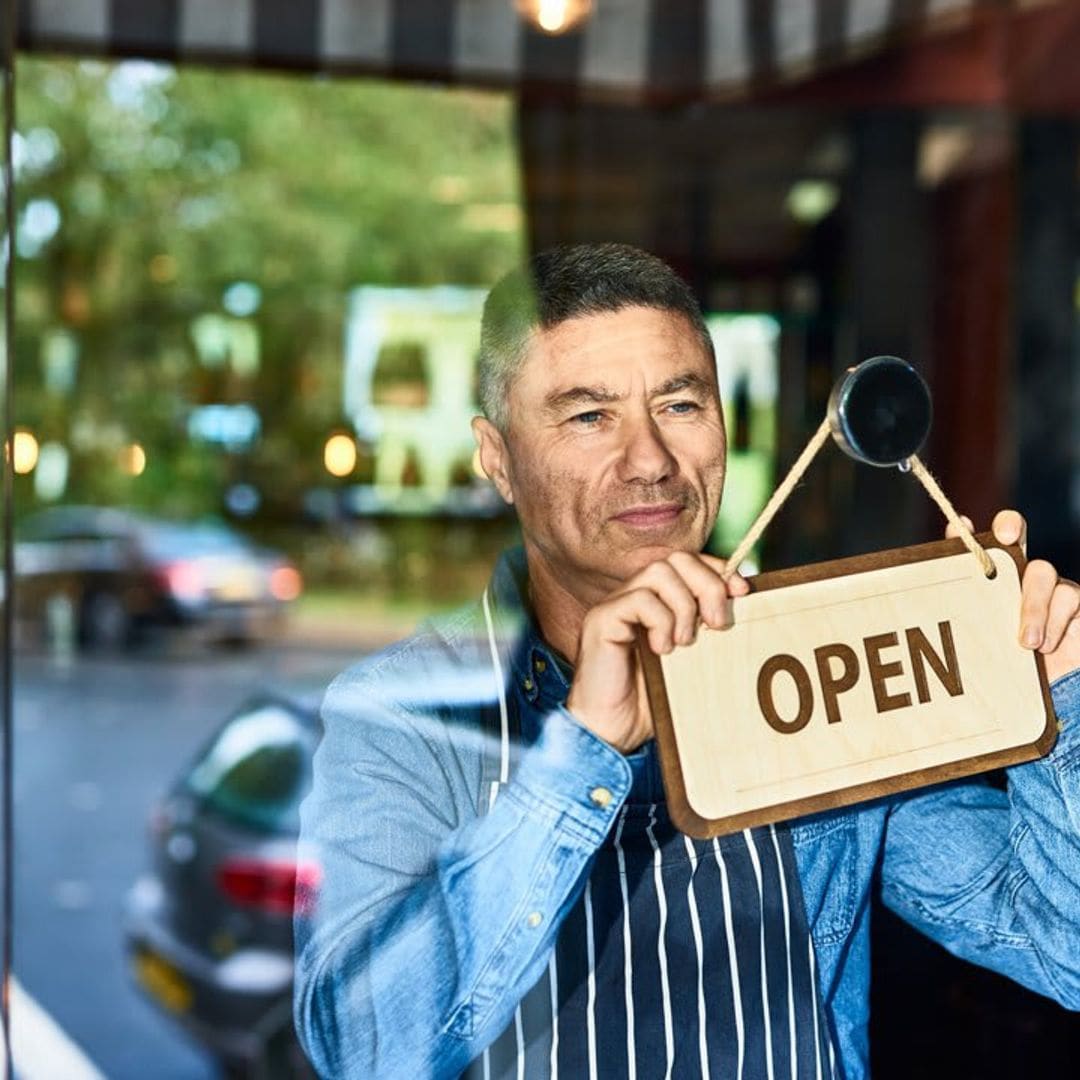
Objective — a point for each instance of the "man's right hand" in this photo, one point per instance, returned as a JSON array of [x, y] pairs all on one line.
[[670, 599]]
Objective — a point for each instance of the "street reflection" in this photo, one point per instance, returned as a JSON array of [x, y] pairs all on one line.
[[242, 461], [114, 755]]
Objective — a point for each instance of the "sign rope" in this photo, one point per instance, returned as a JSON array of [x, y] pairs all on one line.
[[795, 473]]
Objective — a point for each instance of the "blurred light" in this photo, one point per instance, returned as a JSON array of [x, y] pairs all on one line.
[[285, 583], [135, 85], [198, 211], [184, 580], [51, 474], [242, 499], [162, 268], [132, 459], [40, 222], [339, 455], [24, 452], [242, 298], [34, 152], [275, 887], [232, 426], [943, 150], [555, 16], [59, 360], [809, 201]]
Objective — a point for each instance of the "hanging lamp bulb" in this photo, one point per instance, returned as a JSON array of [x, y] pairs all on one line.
[[555, 16]]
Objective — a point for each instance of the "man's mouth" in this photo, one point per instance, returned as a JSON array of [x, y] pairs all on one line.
[[651, 515]]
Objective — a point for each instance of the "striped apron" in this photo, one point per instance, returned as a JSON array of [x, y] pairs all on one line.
[[682, 959]]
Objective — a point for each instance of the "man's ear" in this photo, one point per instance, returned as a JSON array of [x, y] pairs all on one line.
[[494, 456]]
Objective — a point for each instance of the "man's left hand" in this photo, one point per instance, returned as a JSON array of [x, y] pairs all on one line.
[[1049, 605]]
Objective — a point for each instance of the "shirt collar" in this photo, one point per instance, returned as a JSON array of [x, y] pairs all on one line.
[[537, 673]]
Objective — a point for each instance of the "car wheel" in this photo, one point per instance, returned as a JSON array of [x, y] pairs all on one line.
[[105, 622]]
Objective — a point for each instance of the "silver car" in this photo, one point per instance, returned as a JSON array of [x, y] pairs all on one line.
[[209, 926]]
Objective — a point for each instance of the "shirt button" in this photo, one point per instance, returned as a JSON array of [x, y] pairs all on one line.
[[601, 797], [540, 665], [528, 684], [534, 919]]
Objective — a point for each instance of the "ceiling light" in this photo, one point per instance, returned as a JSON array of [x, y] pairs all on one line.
[[809, 201], [555, 16]]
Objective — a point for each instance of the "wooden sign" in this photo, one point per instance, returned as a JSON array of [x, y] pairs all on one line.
[[848, 680]]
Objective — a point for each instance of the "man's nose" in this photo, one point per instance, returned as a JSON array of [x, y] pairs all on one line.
[[646, 456]]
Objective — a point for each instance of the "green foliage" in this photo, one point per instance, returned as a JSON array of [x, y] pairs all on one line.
[[171, 186]]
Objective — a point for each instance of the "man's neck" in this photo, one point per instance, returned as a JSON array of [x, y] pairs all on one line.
[[558, 607]]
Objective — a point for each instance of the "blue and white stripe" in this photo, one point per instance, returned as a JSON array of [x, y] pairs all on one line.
[[682, 959]]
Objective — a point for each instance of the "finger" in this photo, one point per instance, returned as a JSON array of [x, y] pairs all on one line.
[[662, 578], [951, 531], [704, 581], [1009, 527], [736, 583], [1040, 578], [1064, 608], [619, 619]]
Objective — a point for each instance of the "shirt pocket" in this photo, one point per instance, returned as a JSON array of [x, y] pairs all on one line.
[[826, 851]]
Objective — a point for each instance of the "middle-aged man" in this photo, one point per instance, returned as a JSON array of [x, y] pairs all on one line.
[[504, 894]]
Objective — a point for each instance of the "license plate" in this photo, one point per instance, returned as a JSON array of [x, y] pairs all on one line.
[[162, 981], [238, 585]]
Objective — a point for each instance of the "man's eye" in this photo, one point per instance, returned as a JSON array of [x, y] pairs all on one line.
[[593, 416], [682, 408]]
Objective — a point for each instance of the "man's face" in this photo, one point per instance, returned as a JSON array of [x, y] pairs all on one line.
[[615, 451]]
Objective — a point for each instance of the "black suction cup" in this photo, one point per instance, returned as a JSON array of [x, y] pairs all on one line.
[[880, 411]]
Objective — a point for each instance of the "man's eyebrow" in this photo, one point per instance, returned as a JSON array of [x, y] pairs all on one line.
[[689, 380], [579, 395]]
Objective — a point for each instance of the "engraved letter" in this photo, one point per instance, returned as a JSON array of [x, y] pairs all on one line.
[[922, 653], [880, 673], [787, 663], [832, 686]]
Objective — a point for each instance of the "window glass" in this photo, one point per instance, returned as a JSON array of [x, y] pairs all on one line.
[[252, 245], [257, 770]]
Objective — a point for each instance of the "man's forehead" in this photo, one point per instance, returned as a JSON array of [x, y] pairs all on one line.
[[609, 348], [694, 383]]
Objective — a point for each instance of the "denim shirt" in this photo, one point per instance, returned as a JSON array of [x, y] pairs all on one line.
[[457, 808]]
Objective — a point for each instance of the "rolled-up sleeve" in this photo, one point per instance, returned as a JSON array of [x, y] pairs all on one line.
[[993, 875]]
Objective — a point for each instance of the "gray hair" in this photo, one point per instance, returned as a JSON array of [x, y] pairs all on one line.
[[563, 283]]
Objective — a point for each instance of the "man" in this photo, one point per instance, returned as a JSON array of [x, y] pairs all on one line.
[[504, 893]]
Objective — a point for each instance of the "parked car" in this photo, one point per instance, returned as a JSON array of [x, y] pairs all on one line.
[[208, 928], [105, 575]]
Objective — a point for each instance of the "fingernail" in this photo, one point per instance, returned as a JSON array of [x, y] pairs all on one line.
[[1032, 637]]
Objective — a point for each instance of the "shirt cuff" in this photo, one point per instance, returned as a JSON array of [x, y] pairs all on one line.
[[575, 773]]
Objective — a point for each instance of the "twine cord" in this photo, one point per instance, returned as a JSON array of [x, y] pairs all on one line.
[[933, 489], [779, 497], [912, 464]]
